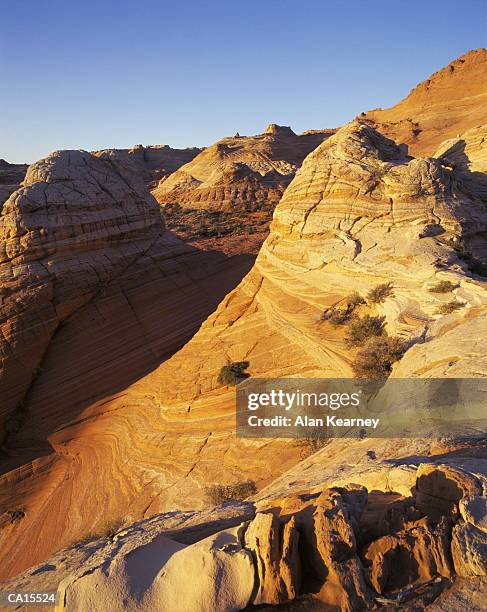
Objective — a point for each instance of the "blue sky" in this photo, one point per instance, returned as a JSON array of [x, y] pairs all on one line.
[[114, 73]]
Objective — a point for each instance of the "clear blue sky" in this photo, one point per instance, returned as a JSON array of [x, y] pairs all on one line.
[[114, 73]]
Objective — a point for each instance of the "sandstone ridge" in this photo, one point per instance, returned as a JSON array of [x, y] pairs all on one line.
[[246, 172], [450, 102]]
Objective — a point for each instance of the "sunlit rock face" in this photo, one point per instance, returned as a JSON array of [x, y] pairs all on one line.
[[240, 173], [448, 103]]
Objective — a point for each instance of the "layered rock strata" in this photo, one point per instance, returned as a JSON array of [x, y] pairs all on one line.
[[11, 175], [241, 173], [153, 162], [94, 292]]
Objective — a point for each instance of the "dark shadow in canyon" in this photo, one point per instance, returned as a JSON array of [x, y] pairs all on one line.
[[139, 321]]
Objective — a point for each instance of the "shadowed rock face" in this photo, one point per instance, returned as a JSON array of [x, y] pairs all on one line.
[[358, 213], [450, 102], [11, 175], [92, 285], [74, 225], [240, 173]]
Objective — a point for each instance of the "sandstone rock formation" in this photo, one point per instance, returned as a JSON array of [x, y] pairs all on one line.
[[359, 213], [11, 175], [153, 162], [94, 295], [243, 172], [450, 102], [166, 562], [232, 187]]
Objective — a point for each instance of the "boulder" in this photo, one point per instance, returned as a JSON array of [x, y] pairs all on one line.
[[469, 550], [117, 582], [416, 554], [214, 574], [275, 551], [439, 489]]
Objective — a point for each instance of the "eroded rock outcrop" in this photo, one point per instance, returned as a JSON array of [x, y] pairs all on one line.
[[243, 172], [310, 547], [225, 197], [450, 102], [11, 175], [153, 162]]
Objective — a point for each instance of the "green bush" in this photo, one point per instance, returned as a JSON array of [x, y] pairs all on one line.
[[449, 307], [218, 494], [233, 373], [379, 293], [361, 329], [375, 359], [443, 286]]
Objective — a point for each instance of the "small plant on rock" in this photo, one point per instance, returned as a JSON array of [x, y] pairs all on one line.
[[449, 307], [379, 293], [218, 494], [443, 286], [355, 299], [361, 329], [339, 316], [16, 515], [375, 359], [233, 373]]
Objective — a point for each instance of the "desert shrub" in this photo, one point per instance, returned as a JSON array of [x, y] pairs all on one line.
[[218, 494], [194, 223], [361, 329], [379, 293], [106, 530], [233, 373], [313, 444], [449, 307], [339, 316], [375, 359], [355, 299], [16, 515], [336, 316], [443, 286]]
